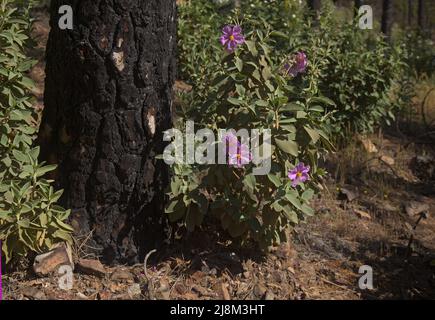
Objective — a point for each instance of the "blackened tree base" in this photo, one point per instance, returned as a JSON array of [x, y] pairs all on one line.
[[108, 99]]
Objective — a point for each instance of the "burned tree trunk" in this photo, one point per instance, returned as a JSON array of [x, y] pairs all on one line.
[[421, 14], [387, 17], [315, 5], [107, 101], [358, 4], [410, 13]]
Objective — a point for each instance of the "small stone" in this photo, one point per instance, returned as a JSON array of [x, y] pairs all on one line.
[[225, 293], [180, 288], [122, 275], [386, 206], [202, 291], [82, 296], [388, 160], [346, 194], [164, 286], [270, 296], [414, 208], [362, 214], [134, 291], [91, 267], [34, 294], [368, 145], [166, 295], [409, 227], [104, 295], [260, 290], [48, 263], [182, 87]]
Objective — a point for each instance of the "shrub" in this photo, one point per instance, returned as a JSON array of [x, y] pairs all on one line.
[[358, 68], [197, 23], [29, 216], [251, 89], [348, 88], [419, 52], [359, 74], [199, 20]]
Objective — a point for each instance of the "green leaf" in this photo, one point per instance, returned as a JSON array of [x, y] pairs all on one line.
[[307, 210], [252, 48], [256, 75], [266, 73], [288, 146], [24, 223], [291, 107], [317, 109], [235, 101], [34, 154], [62, 234], [323, 100], [239, 64], [21, 157], [274, 179], [314, 135], [240, 90], [279, 34], [249, 182], [171, 207], [43, 170], [262, 103], [301, 115], [290, 214], [292, 197], [308, 195]]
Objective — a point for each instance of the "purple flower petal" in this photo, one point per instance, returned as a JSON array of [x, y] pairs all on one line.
[[298, 65], [240, 155], [231, 37], [237, 29], [292, 176], [299, 174], [239, 38], [303, 178], [231, 46], [223, 40], [295, 183], [227, 30]]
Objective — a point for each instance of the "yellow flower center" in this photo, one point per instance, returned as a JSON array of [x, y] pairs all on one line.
[[299, 174], [239, 156], [232, 38]]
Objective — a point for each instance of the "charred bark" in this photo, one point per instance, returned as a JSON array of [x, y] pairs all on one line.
[[358, 4], [387, 17], [420, 18], [108, 98], [410, 13], [315, 5]]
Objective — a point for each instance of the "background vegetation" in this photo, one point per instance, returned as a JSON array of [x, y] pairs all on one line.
[[29, 216]]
